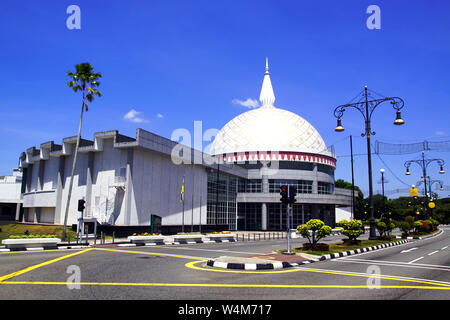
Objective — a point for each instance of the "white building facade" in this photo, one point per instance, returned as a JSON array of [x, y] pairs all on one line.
[[10, 195], [125, 180]]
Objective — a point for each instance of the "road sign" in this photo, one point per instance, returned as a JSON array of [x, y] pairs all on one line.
[[413, 192]]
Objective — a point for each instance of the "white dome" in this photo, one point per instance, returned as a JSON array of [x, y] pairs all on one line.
[[268, 129]]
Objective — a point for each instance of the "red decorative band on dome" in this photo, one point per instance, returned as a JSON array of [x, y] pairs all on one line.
[[279, 156]]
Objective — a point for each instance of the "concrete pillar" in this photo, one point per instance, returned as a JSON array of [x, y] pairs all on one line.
[[88, 195], [265, 189], [40, 180], [264, 216], [315, 188], [128, 187], [59, 219]]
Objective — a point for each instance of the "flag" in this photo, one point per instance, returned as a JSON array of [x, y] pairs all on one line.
[[182, 192]]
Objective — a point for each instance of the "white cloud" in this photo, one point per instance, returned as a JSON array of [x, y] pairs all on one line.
[[440, 133], [249, 103], [132, 116], [159, 115]]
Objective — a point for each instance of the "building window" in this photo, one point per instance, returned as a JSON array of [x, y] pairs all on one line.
[[325, 188], [250, 186], [221, 200], [303, 186]]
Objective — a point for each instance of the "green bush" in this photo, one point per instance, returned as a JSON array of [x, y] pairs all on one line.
[[352, 229], [314, 230], [405, 227], [410, 221], [384, 226], [422, 226], [434, 223], [32, 236]]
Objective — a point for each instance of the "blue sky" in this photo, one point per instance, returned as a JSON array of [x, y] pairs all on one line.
[[175, 62]]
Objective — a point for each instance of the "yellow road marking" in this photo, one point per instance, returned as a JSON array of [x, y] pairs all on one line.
[[192, 265], [291, 286], [17, 273]]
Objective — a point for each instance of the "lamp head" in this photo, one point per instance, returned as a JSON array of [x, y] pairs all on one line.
[[382, 170], [441, 170], [407, 172], [339, 127], [398, 120]]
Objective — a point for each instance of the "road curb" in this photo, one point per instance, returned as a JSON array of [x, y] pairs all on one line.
[[281, 265], [44, 248]]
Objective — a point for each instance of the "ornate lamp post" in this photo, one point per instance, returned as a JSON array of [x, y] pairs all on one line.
[[382, 188], [366, 107], [423, 163]]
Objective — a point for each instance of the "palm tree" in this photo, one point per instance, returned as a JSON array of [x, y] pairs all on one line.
[[86, 81]]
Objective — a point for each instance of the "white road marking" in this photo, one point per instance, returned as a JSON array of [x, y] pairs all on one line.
[[416, 260], [381, 275], [408, 250], [444, 248], [396, 264], [433, 252]]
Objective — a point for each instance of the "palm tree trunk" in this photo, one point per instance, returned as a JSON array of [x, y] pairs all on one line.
[[73, 171]]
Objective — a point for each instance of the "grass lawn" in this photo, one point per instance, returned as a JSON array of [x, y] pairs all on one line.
[[19, 228], [339, 247]]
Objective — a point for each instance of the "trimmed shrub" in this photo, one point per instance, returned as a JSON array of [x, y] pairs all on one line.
[[410, 220], [405, 227], [352, 229], [32, 236], [314, 230]]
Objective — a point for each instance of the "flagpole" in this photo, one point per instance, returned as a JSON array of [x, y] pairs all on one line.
[[192, 213], [200, 222], [182, 199]]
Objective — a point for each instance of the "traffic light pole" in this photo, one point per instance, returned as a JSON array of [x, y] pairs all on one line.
[[288, 228], [288, 197]]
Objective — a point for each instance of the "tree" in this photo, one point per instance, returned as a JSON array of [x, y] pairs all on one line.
[[352, 229], [314, 230], [86, 81]]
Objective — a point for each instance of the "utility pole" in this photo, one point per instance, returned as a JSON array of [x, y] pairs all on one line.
[[353, 179]]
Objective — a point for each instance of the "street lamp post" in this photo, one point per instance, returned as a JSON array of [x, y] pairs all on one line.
[[423, 163], [430, 183], [366, 107], [382, 188]]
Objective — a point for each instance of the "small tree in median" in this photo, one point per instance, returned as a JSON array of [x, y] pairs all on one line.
[[314, 230], [405, 227], [352, 229], [384, 227]]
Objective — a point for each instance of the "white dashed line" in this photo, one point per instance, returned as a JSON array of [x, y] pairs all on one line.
[[415, 260], [433, 252]]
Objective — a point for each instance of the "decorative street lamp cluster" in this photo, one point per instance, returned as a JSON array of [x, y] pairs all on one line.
[[367, 107], [423, 163]]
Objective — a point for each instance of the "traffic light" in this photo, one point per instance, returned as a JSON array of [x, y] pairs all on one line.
[[284, 194], [81, 203], [292, 194]]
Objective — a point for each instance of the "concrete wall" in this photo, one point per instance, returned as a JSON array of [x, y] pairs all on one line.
[[156, 190]]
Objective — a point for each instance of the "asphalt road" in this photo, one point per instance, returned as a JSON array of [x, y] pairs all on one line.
[[419, 269]]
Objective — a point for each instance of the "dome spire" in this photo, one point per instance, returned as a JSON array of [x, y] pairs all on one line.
[[267, 97]]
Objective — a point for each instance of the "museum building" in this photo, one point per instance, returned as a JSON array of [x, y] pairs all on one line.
[[235, 186]]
